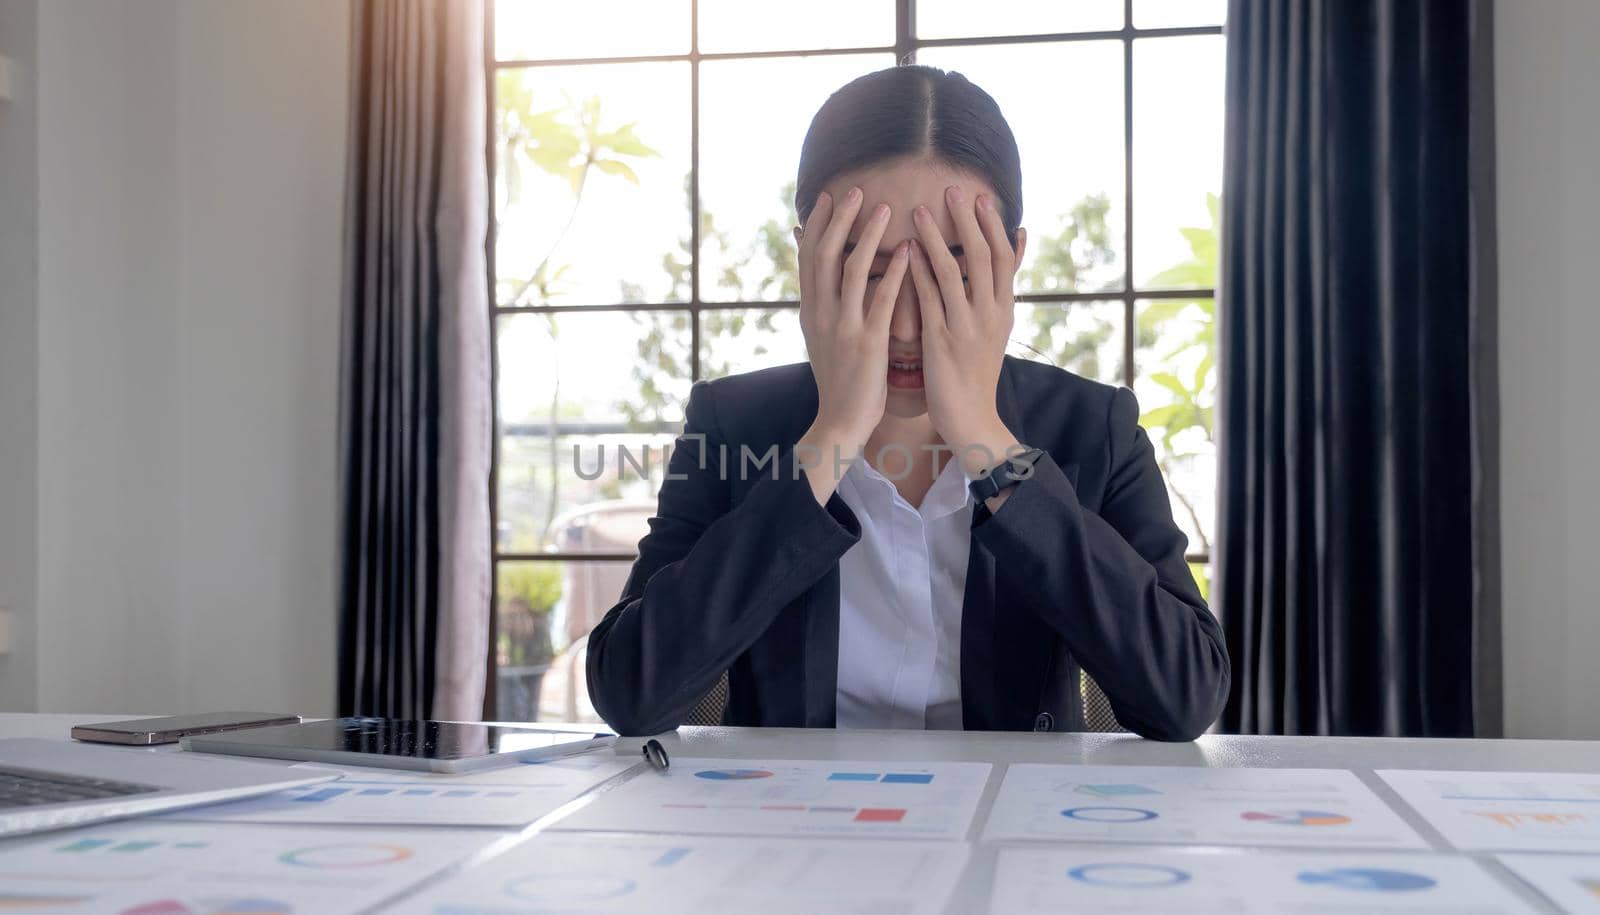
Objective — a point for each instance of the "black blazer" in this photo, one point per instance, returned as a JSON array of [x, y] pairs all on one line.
[[1082, 565]]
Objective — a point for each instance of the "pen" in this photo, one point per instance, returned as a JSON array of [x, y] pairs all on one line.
[[656, 755]]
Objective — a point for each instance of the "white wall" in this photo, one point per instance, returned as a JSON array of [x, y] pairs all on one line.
[[263, 105], [1548, 147], [19, 330], [190, 159], [109, 624]]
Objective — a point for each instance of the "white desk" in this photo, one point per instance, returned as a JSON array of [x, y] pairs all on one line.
[[1359, 754]]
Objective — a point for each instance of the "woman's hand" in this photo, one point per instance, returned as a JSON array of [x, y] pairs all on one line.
[[847, 337], [964, 334]]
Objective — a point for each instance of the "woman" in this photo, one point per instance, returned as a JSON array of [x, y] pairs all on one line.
[[1003, 523]]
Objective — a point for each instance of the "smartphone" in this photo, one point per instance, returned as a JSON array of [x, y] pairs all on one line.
[[150, 731]]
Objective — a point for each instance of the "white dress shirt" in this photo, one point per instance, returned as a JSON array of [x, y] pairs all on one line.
[[900, 594]]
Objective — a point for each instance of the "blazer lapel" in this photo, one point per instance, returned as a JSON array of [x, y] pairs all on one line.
[[988, 633]]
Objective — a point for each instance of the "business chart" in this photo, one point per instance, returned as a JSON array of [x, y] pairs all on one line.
[[511, 796], [791, 798], [1053, 880], [1323, 808], [166, 868], [1570, 881], [583, 872], [1506, 811]]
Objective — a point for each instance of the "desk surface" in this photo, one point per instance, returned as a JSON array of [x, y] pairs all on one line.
[[1360, 754]]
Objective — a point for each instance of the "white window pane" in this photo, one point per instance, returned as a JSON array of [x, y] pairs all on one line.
[[753, 118], [1177, 158], [1084, 338], [1177, 388], [590, 183], [1065, 106], [543, 614], [736, 340], [1167, 14], [959, 19], [543, 30], [588, 405], [783, 25]]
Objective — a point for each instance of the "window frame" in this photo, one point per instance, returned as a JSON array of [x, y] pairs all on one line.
[[905, 48]]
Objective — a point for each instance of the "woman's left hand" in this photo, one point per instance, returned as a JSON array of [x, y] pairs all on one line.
[[964, 334]]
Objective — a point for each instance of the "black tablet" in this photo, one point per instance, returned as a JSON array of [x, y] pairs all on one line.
[[429, 746]]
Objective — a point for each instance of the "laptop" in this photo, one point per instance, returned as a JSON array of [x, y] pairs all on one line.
[[52, 784]]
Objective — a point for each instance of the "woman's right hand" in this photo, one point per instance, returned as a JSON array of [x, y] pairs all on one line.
[[847, 337]]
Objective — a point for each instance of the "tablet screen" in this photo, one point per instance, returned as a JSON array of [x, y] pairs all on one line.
[[411, 738]]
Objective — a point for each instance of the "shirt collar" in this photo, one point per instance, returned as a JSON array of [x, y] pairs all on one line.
[[949, 493]]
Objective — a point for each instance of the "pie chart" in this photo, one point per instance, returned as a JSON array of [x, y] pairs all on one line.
[[1295, 817], [550, 889], [339, 857], [1130, 876], [727, 775], [1369, 879], [1109, 814]]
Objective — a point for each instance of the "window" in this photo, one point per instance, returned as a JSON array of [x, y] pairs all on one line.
[[644, 167]]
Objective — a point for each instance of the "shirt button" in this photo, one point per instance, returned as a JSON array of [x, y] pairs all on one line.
[[1044, 722]]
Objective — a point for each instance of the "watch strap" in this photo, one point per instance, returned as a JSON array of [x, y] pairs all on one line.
[[1007, 474]]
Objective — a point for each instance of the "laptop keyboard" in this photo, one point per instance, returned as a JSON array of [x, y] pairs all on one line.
[[31, 788]]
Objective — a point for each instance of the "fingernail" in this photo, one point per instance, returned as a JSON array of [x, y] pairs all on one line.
[[922, 214], [988, 203], [855, 194], [880, 211], [901, 250], [955, 194], [823, 198]]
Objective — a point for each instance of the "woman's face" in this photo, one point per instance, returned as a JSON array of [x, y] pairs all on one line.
[[904, 185]]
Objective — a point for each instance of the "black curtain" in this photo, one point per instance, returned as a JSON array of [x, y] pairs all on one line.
[[1356, 554], [415, 430]]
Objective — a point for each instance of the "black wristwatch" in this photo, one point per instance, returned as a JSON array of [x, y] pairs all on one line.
[[1013, 471]]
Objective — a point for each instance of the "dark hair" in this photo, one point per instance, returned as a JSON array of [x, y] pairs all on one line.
[[918, 112]]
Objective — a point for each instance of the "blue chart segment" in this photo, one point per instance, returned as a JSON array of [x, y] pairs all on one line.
[[908, 778], [1109, 814], [670, 857], [397, 789], [1131, 876], [724, 775], [114, 845], [887, 778], [1368, 879]]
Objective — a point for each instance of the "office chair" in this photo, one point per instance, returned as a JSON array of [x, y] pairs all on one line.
[[1097, 714]]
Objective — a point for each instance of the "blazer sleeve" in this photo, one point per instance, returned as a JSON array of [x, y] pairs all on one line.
[[710, 577], [1116, 586]]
